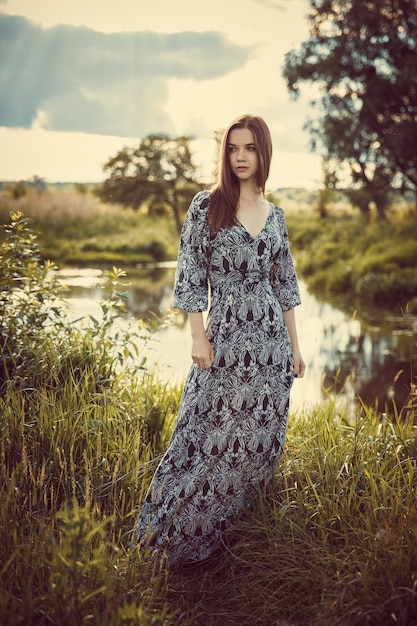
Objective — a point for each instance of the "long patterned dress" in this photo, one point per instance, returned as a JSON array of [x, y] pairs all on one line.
[[232, 420]]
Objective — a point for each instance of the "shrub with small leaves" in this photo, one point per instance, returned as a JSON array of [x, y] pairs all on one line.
[[39, 345], [29, 311]]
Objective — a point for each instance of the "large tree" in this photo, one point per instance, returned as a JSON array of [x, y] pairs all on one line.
[[159, 174], [362, 56]]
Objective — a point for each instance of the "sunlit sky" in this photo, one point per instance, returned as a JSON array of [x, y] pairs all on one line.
[[80, 80]]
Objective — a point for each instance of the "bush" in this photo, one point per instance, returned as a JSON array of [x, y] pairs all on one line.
[[343, 254], [392, 257], [391, 287], [38, 345], [17, 190], [81, 422], [29, 294]]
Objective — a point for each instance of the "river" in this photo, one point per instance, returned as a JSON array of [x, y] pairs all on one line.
[[346, 356]]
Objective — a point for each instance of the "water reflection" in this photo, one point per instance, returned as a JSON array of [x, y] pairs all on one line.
[[344, 353], [365, 362]]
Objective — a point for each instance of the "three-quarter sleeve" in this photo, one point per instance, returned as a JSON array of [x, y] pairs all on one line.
[[191, 278], [283, 274]]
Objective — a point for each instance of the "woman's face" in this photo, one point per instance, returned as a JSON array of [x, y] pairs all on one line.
[[243, 157]]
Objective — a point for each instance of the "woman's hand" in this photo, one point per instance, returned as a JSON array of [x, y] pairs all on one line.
[[202, 352], [299, 365]]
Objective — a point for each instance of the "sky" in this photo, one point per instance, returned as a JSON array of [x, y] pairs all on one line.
[[80, 80]]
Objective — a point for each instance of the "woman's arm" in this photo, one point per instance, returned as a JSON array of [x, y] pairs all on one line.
[[202, 351], [299, 365]]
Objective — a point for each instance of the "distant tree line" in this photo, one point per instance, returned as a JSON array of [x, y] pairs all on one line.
[[21, 188]]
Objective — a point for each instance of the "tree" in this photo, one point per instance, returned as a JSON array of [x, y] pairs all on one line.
[[158, 174], [362, 56], [38, 183]]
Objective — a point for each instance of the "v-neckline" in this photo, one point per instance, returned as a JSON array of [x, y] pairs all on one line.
[[253, 237]]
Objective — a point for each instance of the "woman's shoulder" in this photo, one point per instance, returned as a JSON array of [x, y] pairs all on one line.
[[197, 214], [278, 211], [199, 206], [280, 217], [202, 198], [276, 208]]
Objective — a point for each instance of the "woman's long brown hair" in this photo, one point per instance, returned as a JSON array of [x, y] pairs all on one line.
[[225, 194]]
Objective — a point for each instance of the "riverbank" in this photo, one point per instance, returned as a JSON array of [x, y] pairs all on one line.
[[341, 254], [373, 261], [78, 229]]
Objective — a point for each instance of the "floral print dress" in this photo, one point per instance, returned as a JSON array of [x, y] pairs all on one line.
[[232, 420]]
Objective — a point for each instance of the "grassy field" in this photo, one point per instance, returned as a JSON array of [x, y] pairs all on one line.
[[373, 261], [77, 229], [332, 542]]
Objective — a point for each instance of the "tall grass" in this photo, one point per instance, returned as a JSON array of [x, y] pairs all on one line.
[[332, 542], [78, 229], [371, 260]]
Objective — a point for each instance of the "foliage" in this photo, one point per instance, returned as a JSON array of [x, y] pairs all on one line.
[[17, 190], [29, 294], [76, 565], [342, 254], [77, 229], [23, 187], [38, 345], [81, 188], [332, 542], [159, 173], [361, 55]]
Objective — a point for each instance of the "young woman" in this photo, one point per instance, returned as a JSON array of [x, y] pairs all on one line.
[[233, 414]]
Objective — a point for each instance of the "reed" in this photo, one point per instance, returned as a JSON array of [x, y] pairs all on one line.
[[372, 260], [78, 229]]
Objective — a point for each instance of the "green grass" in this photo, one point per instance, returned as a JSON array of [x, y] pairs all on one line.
[[331, 542], [77, 229], [371, 260]]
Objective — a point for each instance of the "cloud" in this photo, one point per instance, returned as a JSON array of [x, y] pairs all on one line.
[[272, 4], [76, 79]]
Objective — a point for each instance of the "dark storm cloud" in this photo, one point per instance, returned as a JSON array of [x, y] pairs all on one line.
[[83, 80]]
